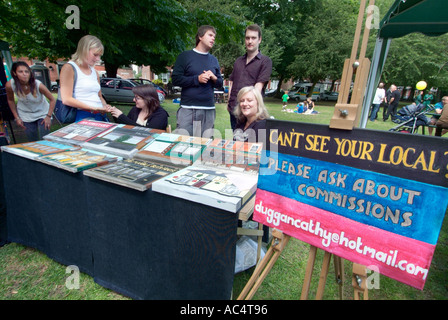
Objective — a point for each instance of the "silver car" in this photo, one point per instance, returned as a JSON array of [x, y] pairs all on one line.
[[329, 96], [120, 90]]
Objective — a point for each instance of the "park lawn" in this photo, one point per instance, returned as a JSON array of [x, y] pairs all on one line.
[[27, 274]]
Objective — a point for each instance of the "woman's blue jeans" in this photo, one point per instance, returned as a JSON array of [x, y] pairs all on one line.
[[35, 130]]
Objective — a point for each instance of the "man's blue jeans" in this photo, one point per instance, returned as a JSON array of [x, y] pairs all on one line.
[[375, 108]]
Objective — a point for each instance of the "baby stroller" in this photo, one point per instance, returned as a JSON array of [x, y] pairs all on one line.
[[410, 117]]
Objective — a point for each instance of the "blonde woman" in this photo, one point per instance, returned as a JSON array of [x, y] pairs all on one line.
[[85, 95], [250, 114]]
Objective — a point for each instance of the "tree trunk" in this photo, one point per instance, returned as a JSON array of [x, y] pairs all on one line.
[[111, 70], [279, 87], [332, 85]]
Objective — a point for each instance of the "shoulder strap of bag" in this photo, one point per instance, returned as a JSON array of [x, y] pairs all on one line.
[[74, 81]]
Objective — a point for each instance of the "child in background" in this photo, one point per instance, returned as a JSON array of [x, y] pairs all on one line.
[[285, 98]]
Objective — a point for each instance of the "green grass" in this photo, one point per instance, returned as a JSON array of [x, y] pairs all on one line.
[[26, 273]]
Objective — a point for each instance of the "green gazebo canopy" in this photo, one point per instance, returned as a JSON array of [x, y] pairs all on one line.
[[407, 16]]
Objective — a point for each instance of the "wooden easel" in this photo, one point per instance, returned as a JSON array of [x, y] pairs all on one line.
[[347, 113], [339, 274], [359, 282], [345, 116], [279, 242]]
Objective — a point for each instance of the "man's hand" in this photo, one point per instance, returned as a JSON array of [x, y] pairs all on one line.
[[205, 76]]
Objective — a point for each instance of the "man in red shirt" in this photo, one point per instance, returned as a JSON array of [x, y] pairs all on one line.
[[251, 69]]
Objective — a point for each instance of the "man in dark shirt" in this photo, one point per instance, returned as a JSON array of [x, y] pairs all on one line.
[[393, 103], [198, 73], [251, 69]]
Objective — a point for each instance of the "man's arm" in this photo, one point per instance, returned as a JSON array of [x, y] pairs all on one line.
[[179, 78], [259, 86], [265, 73]]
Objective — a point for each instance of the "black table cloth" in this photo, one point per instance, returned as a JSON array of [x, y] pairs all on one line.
[[144, 245]]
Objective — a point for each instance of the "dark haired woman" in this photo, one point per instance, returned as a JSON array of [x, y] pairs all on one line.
[[32, 112], [147, 111]]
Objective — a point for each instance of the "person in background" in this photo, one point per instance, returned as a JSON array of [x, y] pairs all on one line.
[[393, 103], [251, 69], [427, 99], [419, 98], [442, 122], [251, 115], [309, 105], [33, 112], [438, 107], [198, 73], [386, 102], [86, 94], [380, 95], [285, 99], [147, 111]]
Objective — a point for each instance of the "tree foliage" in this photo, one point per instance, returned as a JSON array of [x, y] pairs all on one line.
[[324, 42], [418, 57], [306, 39], [145, 32]]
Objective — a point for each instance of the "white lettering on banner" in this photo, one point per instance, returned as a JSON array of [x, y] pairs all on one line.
[[377, 210], [391, 258]]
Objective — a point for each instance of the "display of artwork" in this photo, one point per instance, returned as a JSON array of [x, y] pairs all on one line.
[[231, 159], [79, 132], [225, 189], [32, 150], [237, 146], [158, 150], [78, 160], [195, 140], [185, 151], [217, 172], [123, 140], [132, 173], [168, 137]]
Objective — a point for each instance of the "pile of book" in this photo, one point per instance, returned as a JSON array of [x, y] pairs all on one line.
[[217, 172]]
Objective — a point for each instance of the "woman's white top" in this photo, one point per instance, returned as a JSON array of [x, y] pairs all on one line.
[[31, 108], [87, 87]]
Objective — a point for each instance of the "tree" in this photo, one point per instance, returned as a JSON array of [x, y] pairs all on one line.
[[283, 23], [227, 16], [144, 32], [325, 42], [418, 57]]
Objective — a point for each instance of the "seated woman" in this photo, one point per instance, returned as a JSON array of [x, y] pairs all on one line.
[[147, 111], [251, 115], [309, 104], [442, 123]]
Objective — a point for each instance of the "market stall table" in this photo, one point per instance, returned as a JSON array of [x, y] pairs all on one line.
[[144, 245]]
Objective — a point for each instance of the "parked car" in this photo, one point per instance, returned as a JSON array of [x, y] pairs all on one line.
[[120, 90], [329, 96], [271, 92], [294, 95], [146, 81], [176, 89], [54, 86]]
